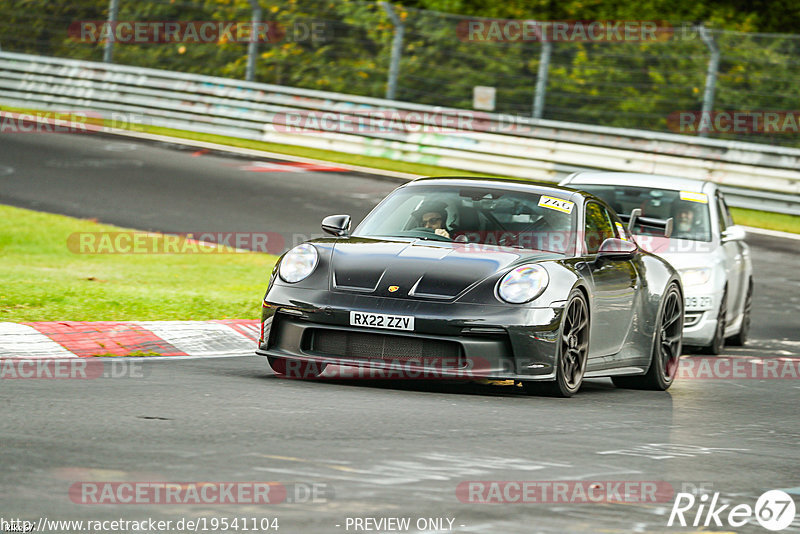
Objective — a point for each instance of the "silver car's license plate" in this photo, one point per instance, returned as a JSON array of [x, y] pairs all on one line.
[[698, 303], [380, 320]]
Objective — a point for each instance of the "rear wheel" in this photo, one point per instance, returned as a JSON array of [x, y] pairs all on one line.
[[573, 350], [667, 345], [741, 337], [288, 368], [718, 343]]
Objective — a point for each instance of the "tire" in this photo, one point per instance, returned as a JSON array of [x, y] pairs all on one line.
[[666, 348], [718, 343], [740, 338], [288, 368], [573, 351]]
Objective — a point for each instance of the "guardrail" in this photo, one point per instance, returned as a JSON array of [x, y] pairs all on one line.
[[446, 137], [762, 200]]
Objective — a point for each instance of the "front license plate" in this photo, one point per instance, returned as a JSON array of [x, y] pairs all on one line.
[[380, 320], [698, 303]]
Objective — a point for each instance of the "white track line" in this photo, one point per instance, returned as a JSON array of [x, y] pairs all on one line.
[[199, 338], [772, 233]]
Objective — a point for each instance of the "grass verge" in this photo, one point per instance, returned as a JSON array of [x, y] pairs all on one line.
[[43, 280], [769, 221]]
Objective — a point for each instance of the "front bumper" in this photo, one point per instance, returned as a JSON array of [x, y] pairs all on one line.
[[450, 340], [700, 322]]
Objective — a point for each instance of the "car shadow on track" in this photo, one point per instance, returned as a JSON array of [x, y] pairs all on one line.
[[491, 388]]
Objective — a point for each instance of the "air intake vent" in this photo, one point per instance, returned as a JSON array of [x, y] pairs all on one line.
[[370, 345]]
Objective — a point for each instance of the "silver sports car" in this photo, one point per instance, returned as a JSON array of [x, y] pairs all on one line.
[[705, 245]]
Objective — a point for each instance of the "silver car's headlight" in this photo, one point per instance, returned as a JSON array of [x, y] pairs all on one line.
[[298, 263], [523, 283], [695, 277]]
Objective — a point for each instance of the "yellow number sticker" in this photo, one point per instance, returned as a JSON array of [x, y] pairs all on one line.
[[556, 204], [694, 197]]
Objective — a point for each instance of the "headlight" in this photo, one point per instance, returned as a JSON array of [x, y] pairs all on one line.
[[523, 284], [298, 263], [695, 277]]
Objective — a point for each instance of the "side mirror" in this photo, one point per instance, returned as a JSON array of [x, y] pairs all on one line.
[[616, 249], [733, 233], [336, 225]]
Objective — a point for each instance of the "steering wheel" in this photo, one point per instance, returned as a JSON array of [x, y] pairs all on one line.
[[507, 239], [433, 233]]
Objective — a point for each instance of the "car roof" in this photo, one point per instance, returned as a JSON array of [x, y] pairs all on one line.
[[516, 184], [653, 181]]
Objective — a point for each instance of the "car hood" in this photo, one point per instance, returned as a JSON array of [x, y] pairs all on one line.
[[690, 260], [674, 247], [419, 268]]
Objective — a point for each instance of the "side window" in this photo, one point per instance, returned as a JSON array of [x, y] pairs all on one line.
[[598, 227]]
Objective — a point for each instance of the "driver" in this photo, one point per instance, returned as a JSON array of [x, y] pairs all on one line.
[[685, 219], [433, 216]]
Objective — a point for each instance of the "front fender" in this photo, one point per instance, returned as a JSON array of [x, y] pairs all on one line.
[[656, 275]]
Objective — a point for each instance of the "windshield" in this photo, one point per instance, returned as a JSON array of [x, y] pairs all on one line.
[[689, 210], [475, 215]]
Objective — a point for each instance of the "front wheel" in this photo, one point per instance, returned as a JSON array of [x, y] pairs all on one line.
[[573, 350], [718, 343], [288, 368], [741, 337], [666, 349]]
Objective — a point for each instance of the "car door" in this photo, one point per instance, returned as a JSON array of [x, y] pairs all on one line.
[[615, 284], [733, 252]]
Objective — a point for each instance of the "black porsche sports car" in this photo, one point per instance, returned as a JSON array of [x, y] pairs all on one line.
[[478, 278]]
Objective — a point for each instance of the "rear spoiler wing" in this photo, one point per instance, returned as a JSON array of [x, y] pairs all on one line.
[[636, 216]]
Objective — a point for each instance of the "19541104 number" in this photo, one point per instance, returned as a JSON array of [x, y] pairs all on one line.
[[222, 524]]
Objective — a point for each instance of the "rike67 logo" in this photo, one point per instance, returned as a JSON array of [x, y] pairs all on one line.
[[774, 510]]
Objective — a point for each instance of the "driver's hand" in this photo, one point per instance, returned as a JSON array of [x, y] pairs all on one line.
[[442, 232]]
